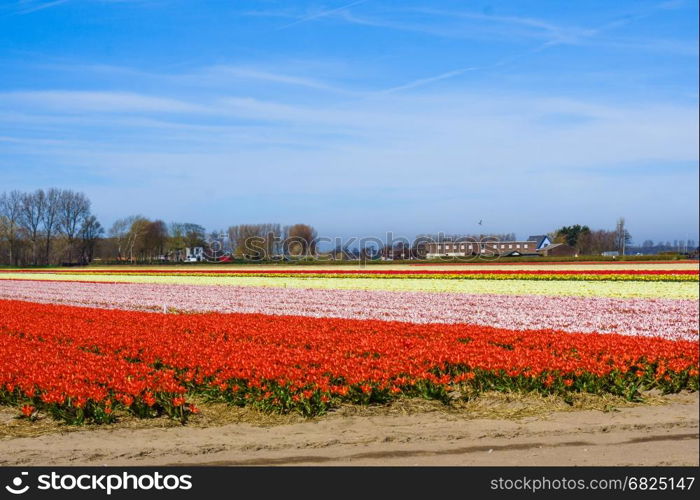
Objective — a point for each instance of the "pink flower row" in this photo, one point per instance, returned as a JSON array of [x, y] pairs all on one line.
[[668, 318]]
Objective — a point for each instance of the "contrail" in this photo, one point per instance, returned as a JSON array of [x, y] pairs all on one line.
[[41, 6], [322, 14], [425, 81]]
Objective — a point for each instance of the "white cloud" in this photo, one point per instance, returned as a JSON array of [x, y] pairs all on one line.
[[96, 101], [455, 129], [227, 73]]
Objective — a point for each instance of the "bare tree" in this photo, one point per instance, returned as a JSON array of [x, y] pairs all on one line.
[[4, 230], [302, 239], [74, 208], [31, 217], [50, 219], [596, 242], [259, 241], [137, 230], [234, 238], [11, 211], [90, 232], [119, 231], [246, 240], [272, 236], [622, 236]]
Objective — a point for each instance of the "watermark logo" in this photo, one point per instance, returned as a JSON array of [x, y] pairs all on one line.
[[220, 247], [17, 488], [102, 483], [215, 249]]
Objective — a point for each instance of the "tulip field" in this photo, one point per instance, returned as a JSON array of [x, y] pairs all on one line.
[[90, 344]]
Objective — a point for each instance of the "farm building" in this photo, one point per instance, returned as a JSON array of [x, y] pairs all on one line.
[[194, 254], [534, 245], [558, 250]]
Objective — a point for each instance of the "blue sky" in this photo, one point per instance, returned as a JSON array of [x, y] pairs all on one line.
[[358, 117]]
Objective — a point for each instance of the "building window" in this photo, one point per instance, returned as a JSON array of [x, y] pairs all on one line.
[[517, 245], [510, 246]]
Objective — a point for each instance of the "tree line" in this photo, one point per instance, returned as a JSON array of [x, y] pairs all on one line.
[[56, 226], [594, 242], [47, 228], [138, 239]]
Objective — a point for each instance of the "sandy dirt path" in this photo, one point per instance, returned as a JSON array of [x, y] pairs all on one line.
[[642, 435]]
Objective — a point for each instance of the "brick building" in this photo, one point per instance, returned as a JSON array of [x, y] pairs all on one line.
[[534, 245]]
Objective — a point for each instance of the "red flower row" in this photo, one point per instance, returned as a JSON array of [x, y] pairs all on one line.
[[398, 272], [81, 362], [502, 262]]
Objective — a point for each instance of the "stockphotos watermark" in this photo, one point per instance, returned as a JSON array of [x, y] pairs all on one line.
[[273, 247], [99, 483]]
